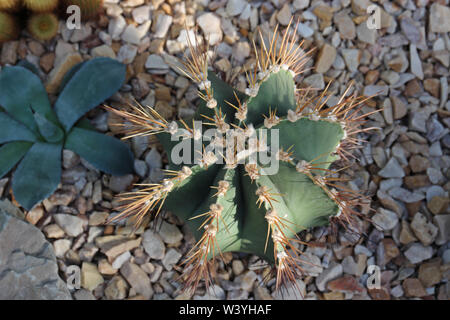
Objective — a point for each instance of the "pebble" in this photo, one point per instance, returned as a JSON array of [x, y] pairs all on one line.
[[352, 58], [291, 291], [211, 27], [425, 231], [385, 220], [141, 14], [127, 53], [72, 225], [162, 25], [392, 169], [116, 27], [120, 183], [332, 272], [138, 279], [116, 289], [153, 245], [439, 20], [418, 253], [415, 62], [235, 7], [171, 258], [413, 288], [90, 277]]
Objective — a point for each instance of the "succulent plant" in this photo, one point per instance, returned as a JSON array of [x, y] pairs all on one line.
[[89, 8], [33, 134], [9, 28], [43, 26], [233, 201], [41, 5], [9, 4]]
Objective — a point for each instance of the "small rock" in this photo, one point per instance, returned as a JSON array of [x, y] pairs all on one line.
[[138, 279], [170, 233], [72, 225], [439, 18], [211, 27], [413, 288], [425, 231], [442, 221], [103, 51], [162, 25], [392, 169], [430, 273], [385, 220], [284, 15], [116, 289], [90, 277], [120, 183], [438, 205], [57, 74], [418, 253], [291, 291], [332, 272], [116, 27], [171, 258], [153, 245], [235, 7], [345, 284]]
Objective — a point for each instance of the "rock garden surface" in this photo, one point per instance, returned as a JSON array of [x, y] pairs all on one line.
[[404, 167]]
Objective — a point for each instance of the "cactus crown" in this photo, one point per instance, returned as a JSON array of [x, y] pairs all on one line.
[[43, 26], [232, 200]]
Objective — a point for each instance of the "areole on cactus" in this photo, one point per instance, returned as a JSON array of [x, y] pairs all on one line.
[[232, 204]]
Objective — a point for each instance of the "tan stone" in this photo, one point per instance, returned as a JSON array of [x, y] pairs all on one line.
[[438, 205], [90, 277], [430, 273], [413, 288], [57, 74], [325, 58], [406, 235]]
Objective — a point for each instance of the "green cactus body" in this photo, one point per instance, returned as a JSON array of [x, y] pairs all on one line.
[[41, 5], [242, 205], [9, 28], [10, 5], [43, 26], [89, 8]]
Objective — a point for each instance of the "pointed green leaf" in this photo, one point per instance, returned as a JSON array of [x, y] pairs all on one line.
[[50, 131], [21, 91], [38, 174], [10, 154], [95, 81], [12, 130], [104, 152]]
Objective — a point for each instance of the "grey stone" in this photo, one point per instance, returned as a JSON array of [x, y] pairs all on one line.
[[120, 183], [153, 245], [418, 253], [291, 291], [385, 220], [28, 266], [392, 169], [171, 258], [170, 233], [72, 225], [138, 279], [332, 272]]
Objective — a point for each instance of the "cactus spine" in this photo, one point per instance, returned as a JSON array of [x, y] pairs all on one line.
[[234, 203]]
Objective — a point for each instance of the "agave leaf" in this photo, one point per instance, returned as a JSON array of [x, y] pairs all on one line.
[[10, 154], [69, 75], [21, 93], [104, 152], [12, 130], [95, 81], [37, 176], [50, 131]]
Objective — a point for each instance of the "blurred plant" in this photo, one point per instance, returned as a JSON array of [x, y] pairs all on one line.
[[41, 5], [10, 5], [43, 26], [239, 206], [33, 134], [9, 28], [89, 8]]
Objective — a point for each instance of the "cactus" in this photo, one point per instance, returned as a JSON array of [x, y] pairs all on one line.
[[43, 26], [234, 203], [41, 5], [10, 5], [89, 8], [31, 129], [9, 28]]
